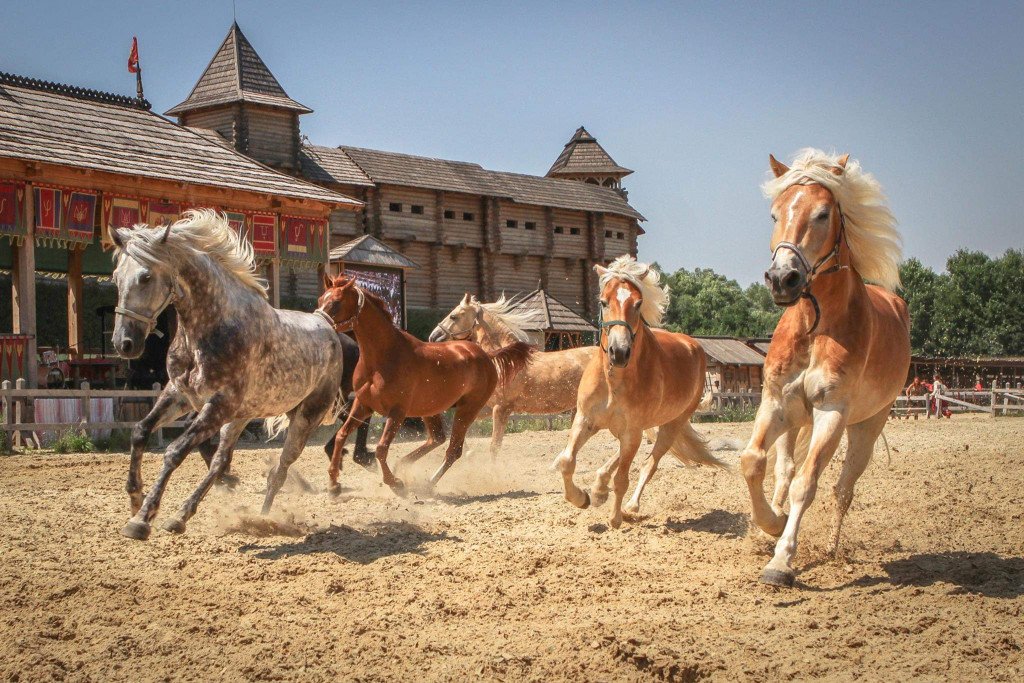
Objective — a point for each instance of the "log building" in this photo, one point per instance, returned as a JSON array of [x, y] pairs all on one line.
[[470, 229]]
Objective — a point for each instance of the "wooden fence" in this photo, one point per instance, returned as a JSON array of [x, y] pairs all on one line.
[[995, 401], [20, 427]]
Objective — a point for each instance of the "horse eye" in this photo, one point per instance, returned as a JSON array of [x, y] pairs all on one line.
[[145, 277]]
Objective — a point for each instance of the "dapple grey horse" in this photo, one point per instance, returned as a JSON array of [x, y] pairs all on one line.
[[235, 357]]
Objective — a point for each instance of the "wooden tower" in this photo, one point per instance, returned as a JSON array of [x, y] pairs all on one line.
[[584, 159]]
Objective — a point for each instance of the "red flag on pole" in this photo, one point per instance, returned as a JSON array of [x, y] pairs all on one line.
[[133, 57]]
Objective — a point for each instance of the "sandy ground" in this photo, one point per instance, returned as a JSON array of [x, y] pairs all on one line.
[[497, 577]]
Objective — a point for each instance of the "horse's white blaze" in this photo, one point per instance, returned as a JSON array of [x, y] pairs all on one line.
[[622, 294]]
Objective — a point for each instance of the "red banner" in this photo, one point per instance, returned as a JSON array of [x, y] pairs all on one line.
[[79, 216], [163, 213], [48, 209], [12, 217], [264, 228]]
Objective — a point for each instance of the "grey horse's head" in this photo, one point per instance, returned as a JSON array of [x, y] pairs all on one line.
[[145, 287]]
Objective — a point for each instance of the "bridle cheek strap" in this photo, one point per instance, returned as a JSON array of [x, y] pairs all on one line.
[[348, 321], [173, 294], [812, 272], [457, 336]]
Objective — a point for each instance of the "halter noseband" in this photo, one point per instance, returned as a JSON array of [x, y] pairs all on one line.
[[605, 324], [457, 336], [174, 293], [359, 309], [810, 272]]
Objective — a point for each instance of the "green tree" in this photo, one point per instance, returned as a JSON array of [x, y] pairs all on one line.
[[920, 284]]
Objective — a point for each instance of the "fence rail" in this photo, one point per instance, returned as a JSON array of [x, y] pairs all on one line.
[[994, 401], [20, 425]]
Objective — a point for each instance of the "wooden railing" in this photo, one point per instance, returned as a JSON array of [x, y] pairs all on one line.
[[994, 401], [19, 414]]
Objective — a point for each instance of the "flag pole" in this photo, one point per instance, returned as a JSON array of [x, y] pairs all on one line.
[[138, 83]]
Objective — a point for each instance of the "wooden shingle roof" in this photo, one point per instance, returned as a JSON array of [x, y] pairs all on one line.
[[583, 154], [68, 126], [550, 314], [331, 165], [237, 74], [370, 251], [729, 351], [429, 173]]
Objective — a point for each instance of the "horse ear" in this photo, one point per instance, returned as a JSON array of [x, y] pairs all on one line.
[[167, 233], [465, 299], [328, 282], [841, 164], [778, 168], [600, 270], [115, 235], [474, 300]]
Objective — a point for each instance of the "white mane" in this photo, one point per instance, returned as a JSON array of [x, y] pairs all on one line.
[[514, 321], [647, 280], [200, 231], [876, 247]]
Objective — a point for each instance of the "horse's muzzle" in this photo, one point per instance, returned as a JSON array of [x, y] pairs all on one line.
[[129, 341], [785, 284], [438, 335], [618, 355]]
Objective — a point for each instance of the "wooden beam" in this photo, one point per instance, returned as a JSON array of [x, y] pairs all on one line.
[[76, 327], [24, 284]]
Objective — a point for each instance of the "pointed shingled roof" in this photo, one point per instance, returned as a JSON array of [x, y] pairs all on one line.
[[583, 154], [237, 74], [549, 314], [370, 251]]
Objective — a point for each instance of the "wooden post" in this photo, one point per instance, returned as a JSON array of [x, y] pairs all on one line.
[[274, 280], [76, 328], [1006, 399], [19, 384], [8, 408], [159, 432], [23, 279], [86, 407], [992, 403]]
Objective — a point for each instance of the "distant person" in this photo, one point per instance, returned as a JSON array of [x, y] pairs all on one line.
[[915, 388], [978, 386], [938, 390]]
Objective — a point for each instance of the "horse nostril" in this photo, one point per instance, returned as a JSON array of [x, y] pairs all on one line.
[[791, 280], [126, 346]]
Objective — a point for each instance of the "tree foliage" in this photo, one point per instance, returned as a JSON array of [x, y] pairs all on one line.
[[974, 308]]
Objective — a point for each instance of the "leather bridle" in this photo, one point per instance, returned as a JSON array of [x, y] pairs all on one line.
[[351, 320], [605, 324], [457, 336], [174, 293], [810, 272]]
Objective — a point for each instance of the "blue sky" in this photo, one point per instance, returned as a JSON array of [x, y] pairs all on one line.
[[693, 97]]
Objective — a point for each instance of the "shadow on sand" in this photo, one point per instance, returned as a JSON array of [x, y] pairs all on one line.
[[981, 573], [364, 546], [465, 499], [721, 522]]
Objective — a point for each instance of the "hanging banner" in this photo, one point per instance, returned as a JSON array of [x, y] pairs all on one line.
[[385, 284], [119, 212], [79, 217], [12, 215], [238, 224], [264, 231], [163, 213], [303, 241], [48, 209]]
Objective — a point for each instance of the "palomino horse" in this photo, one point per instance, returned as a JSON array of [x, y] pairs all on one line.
[[399, 376], [235, 357], [841, 350], [546, 387], [643, 377]]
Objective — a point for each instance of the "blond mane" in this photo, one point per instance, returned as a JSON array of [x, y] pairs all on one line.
[[515, 322], [647, 280], [200, 231], [876, 247]]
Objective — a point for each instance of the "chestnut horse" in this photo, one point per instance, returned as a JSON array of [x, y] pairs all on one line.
[[642, 377], [399, 376], [841, 350]]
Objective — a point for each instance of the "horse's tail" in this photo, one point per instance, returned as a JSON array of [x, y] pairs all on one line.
[[691, 449], [706, 401], [510, 360], [276, 425]]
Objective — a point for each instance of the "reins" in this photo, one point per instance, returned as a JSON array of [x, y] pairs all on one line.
[[812, 271]]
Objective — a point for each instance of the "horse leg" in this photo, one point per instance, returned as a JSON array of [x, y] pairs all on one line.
[[207, 450], [435, 437], [391, 425], [299, 429], [358, 414], [783, 469], [600, 490], [565, 462], [827, 432], [464, 416], [168, 407], [499, 423], [662, 444], [229, 434], [362, 455], [210, 418], [628, 445], [769, 424], [861, 439]]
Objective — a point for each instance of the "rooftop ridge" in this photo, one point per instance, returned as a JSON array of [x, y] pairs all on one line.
[[74, 91]]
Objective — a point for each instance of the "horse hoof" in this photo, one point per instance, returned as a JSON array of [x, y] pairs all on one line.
[[399, 488], [615, 522], [776, 577], [174, 525], [228, 481], [137, 530], [598, 498], [334, 490], [631, 509]]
